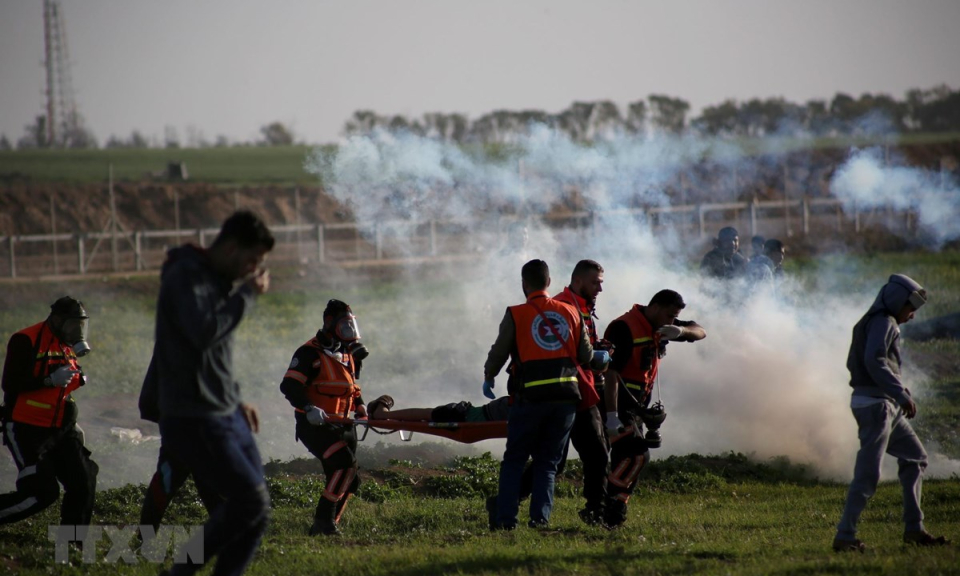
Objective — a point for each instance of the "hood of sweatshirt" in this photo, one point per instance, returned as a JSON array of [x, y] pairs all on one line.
[[898, 290]]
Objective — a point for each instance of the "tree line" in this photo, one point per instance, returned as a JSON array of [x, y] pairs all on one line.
[[935, 109]]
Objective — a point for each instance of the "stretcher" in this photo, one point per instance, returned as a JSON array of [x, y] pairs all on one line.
[[465, 432]]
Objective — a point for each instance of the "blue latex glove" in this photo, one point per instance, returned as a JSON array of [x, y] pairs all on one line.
[[601, 357], [488, 389]]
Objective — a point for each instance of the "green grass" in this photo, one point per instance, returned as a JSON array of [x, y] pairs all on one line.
[[735, 527], [283, 165], [228, 166], [421, 511]]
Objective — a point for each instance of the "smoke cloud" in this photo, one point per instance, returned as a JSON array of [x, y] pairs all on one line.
[[770, 378], [865, 183]]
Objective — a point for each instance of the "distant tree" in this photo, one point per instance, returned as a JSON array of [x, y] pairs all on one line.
[[816, 117], [446, 127], [575, 120], [668, 114], [720, 120], [364, 122], [936, 109], [35, 134], [4, 143], [276, 134], [636, 121], [221, 141], [605, 120]]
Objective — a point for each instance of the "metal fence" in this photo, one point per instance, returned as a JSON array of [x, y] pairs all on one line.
[[116, 249]]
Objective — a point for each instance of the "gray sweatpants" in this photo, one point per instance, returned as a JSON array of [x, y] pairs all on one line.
[[884, 428]]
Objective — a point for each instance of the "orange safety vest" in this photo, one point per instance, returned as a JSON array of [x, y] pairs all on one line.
[[543, 366], [588, 390], [334, 388], [640, 372], [45, 406]]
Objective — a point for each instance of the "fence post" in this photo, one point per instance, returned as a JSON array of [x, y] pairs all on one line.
[[805, 205], [433, 237], [81, 257], [701, 222], [856, 217], [137, 254], [13, 257], [321, 256], [839, 217], [378, 239], [753, 216]]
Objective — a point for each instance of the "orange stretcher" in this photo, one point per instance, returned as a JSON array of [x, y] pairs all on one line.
[[466, 432]]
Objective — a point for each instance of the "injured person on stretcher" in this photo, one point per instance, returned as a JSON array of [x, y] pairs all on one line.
[[381, 409]]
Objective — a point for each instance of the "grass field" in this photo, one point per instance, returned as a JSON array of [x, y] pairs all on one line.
[[283, 165], [721, 514]]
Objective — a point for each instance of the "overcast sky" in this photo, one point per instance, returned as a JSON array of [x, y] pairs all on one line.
[[230, 66]]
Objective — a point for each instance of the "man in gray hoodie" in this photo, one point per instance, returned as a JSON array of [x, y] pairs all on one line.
[[205, 427], [882, 406]]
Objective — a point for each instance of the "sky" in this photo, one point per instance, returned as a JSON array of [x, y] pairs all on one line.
[[229, 67]]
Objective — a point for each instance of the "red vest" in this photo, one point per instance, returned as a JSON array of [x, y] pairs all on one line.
[[640, 372], [588, 391], [45, 406], [333, 389], [543, 366]]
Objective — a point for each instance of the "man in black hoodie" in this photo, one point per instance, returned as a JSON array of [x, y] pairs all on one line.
[[882, 406], [204, 425]]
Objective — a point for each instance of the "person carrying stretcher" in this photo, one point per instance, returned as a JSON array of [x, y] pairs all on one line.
[[321, 385]]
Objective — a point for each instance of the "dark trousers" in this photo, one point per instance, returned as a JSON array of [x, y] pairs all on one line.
[[220, 451], [44, 457], [590, 441], [537, 430], [629, 453], [170, 476], [336, 447]]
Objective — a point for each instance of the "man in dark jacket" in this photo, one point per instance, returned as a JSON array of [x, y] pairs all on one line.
[[882, 406], [203, 422], [724, 261], [40, 374]]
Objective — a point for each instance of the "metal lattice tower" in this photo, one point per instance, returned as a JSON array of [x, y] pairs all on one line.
[[62, 118]]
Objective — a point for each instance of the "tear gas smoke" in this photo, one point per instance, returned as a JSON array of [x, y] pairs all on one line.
[[771, 376], [864, 183]]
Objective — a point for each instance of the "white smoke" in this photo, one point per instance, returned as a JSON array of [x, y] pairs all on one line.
[[770, 379], [865, 183]]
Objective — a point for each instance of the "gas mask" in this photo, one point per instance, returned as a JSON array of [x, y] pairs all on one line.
[[652, 418], [348, 332], [73, 326], [75, 333]]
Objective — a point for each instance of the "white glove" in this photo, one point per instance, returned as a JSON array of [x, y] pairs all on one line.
[[613, 423], [61, 377], [315, 416], [671, 332]]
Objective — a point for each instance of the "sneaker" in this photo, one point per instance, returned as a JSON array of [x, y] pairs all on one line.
[[843, 545], [592, 516], [380, 407], [324, 529], [924, 538], [538, 524]]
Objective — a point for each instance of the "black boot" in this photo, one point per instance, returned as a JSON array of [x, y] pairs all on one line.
[[323, 520]]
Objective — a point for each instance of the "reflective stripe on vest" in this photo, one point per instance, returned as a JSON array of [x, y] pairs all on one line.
[[543, 357]]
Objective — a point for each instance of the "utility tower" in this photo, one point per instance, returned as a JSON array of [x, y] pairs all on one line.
[[63, 122]]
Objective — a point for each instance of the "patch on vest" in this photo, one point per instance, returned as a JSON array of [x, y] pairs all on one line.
[[295, 362], [547, 338]]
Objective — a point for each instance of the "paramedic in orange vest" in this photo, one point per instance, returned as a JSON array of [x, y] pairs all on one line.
[[639, 338], [587, 435], [321, 383], [40, 428], [545, 340]]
